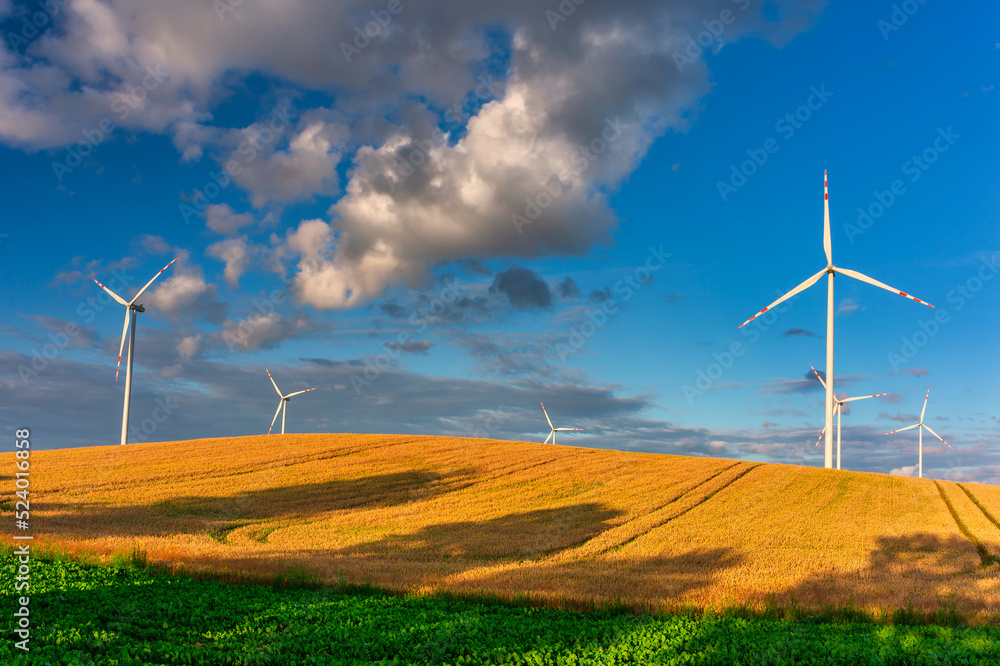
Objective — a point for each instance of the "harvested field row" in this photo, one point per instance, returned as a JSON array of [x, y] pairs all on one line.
[[564, 524]]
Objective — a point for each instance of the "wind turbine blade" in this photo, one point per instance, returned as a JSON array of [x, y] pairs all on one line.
[[864, 397], [820, 437], [922, 411], [280, 403], [938, 436], [134, 298], [547, 416], [805, 285], [298, 392], [915, 425], [567, 428], [549, 437], [272, 383], [827, 246], [112, 294], [128, 319], [864, 278], [818, 376]]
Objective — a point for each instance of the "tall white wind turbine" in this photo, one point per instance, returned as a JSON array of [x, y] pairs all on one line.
[[838, 408], [552, 434], [282, 403], [830, 271], [130, 307], [921, 426]]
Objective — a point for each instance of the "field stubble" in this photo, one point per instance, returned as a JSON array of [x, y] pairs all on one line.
[[560, 525]]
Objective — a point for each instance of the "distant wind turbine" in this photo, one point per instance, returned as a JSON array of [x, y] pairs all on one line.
[[921, 426], [281, 403], [130, 307], [838, 408], [830, 271], [552, 434]]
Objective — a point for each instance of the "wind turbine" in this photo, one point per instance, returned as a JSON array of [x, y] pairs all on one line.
[[130, 307], [838, 409], [920, 425], [554, 429], [282, 403], [830, 271]]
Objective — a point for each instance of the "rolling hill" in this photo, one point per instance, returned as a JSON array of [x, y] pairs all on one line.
[[563, 525]]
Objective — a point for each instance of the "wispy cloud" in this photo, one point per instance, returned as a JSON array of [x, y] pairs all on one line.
[[905, 418], [848, 306]]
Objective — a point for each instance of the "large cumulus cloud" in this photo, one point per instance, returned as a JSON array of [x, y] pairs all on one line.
[[552, 115]]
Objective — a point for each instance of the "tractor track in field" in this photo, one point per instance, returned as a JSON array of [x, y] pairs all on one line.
[[514, 469], [301, 459], [679, 496], [596, 548], [688, 509], [693, 488], [306, 458], [984, 553], [989, 516]]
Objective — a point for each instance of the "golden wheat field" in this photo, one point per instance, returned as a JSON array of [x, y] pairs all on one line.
[[559, 524]]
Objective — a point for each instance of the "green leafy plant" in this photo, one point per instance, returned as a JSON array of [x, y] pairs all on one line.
[[132, 613]]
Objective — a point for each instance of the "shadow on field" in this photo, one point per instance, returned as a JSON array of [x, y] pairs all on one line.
[[911, 570], [510, 555], [634, 581], [500, 546], [513, 536], [197, 513]]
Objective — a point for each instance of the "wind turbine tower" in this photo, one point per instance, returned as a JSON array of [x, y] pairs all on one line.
[[830, 271], [282, 403], [552, 433], [130, 308], [920, 437]]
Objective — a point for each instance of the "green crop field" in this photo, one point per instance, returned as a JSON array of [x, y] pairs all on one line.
[[127, 613]]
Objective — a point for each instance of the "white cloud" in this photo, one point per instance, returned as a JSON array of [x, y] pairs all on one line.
[[220, 218], [267, 331], [606, 82], [236, 252], [153, 244], [848, 306], [185, 295], [909, 470], [189, 346], [308, 167]]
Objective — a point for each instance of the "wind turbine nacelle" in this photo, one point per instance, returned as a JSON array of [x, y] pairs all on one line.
[[138, 307]]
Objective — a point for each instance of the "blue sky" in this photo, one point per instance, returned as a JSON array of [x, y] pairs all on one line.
[[411, 297]]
